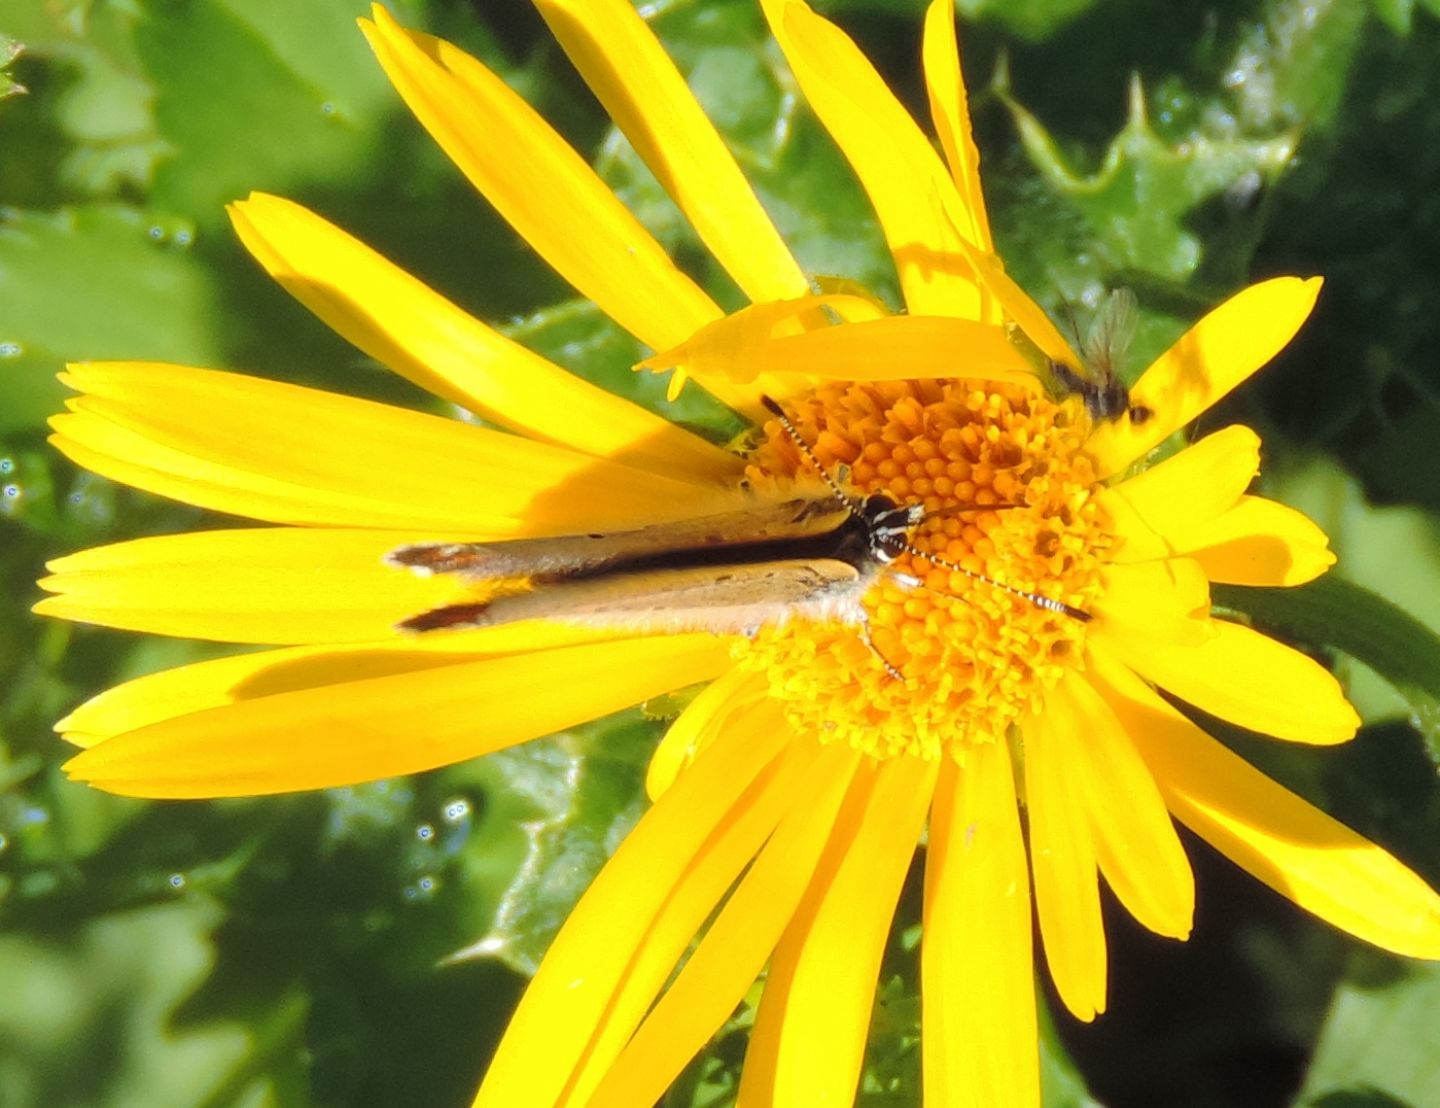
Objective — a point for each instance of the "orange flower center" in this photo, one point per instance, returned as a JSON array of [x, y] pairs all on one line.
[[1007, 490]]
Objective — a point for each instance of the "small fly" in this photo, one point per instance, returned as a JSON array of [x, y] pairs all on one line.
[[1106, 343]]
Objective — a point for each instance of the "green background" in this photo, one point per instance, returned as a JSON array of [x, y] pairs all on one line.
[[325, 949]]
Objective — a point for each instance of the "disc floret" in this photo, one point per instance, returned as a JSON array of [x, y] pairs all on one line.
[[1008, 494]]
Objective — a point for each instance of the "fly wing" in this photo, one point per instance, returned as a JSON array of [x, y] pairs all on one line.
[[736, 599], [1111, 332], [567, 556]]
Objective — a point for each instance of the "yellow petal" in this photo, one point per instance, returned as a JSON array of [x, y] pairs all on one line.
[[893, 348], [822, 980], [177, 692], [1148, 602], [1197, 484], [979, 1038], [1258, 542], [1062, 858], [1218, 353], [1293, 847], [422, 336], [642, 91], [1136, 540], [1248, 679], [1135, 842], [566, 1005], [393, 724], [298, 455], [766, 817], [950, 112], [900, 348], [540, 185], [262, 585], [898, 168], [728, 959], [704, 719], [1192, 504], [725, 355]]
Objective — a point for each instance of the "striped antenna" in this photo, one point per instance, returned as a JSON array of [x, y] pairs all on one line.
[[1045, 602], [779, 413], [1048, 603]]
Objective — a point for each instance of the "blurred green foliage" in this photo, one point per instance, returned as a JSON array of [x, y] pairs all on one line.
[[364, 946]]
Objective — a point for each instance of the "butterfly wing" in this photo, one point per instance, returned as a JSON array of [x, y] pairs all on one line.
[[569, 556], [727, 599]]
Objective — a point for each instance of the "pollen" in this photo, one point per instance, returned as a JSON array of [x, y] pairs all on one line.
[[1008, 492]]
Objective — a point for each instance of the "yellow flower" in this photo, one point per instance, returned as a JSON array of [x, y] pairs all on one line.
[[790, 795]]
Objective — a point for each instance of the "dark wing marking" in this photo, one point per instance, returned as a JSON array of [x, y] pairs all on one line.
[[571, 555], [721, 599]]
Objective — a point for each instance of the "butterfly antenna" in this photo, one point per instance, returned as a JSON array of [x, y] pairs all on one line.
[[1048, 603], [804, 447]]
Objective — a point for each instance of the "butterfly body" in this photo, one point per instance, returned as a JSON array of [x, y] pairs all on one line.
[[803, 557]]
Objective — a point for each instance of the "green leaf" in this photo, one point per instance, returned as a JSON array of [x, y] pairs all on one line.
[[1360, 210], [584, 790], [1379, 1043], [1395, 14], [1291, 67], [245, 100], [578, 336], [87, 133], [102, 281], [1061, 1084], [1134, 205], [118, 981], [1030, 19], [10, 49]]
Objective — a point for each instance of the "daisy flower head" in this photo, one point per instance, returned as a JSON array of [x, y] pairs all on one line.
[[999, 681]]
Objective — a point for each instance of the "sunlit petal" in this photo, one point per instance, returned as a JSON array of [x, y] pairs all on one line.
[[725, 964], [419, 334], [384, 726], [1197, 484], [297, 455], [1248, 679], [1146, 602], [726, 356], [979, 1034], [1135, 841], [895, 162], [950, 113], [1218, 353], [172, 693], [1062, 858], [822, 979], [566, 1002], [540, 185], [1258, 542], [901, 347], [1287, 843], [262, 585], [642, 91], [704, 719]]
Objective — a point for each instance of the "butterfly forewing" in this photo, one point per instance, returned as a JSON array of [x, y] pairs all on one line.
[[570, 556], [724, 599]]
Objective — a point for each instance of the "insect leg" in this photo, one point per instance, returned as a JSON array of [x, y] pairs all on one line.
[[864, 631]]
